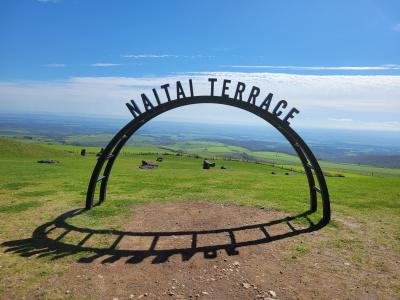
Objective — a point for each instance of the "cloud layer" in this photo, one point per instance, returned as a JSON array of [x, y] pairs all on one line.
[[369, 102], [55, 65], [323, 68], [137, 56], [105, 65]]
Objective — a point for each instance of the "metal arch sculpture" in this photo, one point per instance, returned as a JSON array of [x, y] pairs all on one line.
[[308, 160]]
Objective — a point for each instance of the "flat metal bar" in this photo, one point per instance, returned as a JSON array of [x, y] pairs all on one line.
[[101, 178], [317, 189]]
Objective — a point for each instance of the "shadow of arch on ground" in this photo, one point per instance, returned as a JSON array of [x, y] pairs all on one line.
[[41, 244]]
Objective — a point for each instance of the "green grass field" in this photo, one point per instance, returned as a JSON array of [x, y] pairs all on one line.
[[208, 149], [32, 194]]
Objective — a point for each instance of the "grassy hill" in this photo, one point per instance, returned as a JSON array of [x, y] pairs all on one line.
[[365, 209], [18, 149]]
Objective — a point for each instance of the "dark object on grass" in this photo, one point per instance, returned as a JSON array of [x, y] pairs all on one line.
[[327, 174], [160, 159], [100, 152], [83, 152], [207, 165], [48, 161], [223, 168], [147, 165], [273, 173]]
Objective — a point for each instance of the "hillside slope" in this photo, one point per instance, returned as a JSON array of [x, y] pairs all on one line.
[[14, 148]]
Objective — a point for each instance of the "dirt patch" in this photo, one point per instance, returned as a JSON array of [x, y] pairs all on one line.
[[347, 221], [210, 251]]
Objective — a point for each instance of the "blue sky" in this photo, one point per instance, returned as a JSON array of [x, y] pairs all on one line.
[[158, 37], [50, 45]]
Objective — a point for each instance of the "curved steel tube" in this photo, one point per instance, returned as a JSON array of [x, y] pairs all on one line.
[[307, 158]]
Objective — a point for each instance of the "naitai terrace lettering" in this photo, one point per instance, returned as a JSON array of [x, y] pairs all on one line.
[[227, 91], [276, 113]]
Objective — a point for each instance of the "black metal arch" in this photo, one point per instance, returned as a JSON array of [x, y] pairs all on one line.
[[307, 158]]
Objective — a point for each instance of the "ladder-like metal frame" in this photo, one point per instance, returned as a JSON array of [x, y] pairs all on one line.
[[307, 158]]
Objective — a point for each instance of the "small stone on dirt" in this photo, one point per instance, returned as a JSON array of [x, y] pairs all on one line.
[[236, 264], [272, 293], [246, 285], [204, 293]]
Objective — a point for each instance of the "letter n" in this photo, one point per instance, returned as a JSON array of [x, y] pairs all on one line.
[[146, 102], [134, 109]]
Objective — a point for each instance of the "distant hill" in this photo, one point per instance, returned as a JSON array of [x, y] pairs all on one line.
[[14, 148], [389, 161]]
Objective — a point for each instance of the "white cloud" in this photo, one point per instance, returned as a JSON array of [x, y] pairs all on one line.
[[340, 119], [104, 65], [370, 101], [198, 56], [365, 125], [323, 68], [396, 27], [137, 56], [140, 56], [48, 1], [55, 65]]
